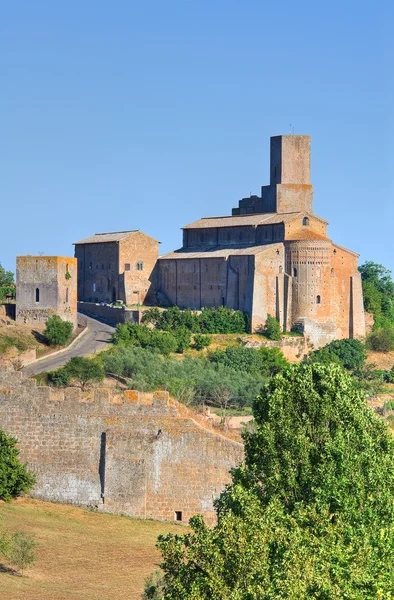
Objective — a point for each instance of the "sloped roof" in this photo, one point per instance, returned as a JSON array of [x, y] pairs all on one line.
[[254, 220], [306, 234], [218, 252], [115, 236]]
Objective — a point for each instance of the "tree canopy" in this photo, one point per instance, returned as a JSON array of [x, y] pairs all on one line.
[[378, 291], [14, 477], [309, 514]]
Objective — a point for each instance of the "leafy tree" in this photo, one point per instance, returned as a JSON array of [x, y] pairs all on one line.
[[310, 514], [378, 291], [201, 341], [349, 353], [57, 331], [14, 477], [272, 328], [381, 340], [153, 589], [21, 550], [85, 370], [264, 361], [6, 277], [183, 337], [209, 320]]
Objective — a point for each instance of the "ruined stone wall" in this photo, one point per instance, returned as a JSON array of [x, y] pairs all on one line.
[[132, 453], [44, 289]]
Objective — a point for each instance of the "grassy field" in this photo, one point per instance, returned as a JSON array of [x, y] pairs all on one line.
[[80, 554]]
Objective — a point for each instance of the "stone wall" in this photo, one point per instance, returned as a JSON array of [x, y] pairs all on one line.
[[110, 314], [131, 453]]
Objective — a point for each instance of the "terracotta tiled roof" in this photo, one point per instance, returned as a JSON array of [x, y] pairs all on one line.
[[306, 234], [258, 219], [218, 252]]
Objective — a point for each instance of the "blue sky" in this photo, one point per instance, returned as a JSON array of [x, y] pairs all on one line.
[[148, 115]]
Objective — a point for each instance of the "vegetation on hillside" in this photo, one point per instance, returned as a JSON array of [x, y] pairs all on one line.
[[310, 514], [57, 331], [209, 320], [14, 477], [378, 291]]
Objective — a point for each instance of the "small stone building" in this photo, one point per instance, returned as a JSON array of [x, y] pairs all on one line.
[[117, 266], [272, 256], [46, 285]]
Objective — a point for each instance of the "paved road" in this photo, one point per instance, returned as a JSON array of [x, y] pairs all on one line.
[[94, 340]]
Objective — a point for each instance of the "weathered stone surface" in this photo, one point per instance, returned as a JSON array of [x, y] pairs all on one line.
[[128, 453]]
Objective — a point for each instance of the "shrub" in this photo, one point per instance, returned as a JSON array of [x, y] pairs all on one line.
[[85, 370], [183, 337], [210, 320], [272, 328], [381, 340], [57, 331], [14, 477], [349, 353], [59, 378], [201, 341], [262, 362], [21, 550]]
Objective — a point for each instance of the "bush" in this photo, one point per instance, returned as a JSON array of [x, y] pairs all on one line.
[[272, 328], [164, 343], [209, 320], [14, 477], [349, 353], [381, 340], [201, 341], [264, 362], [58, 378], [21, 550], [85, 370], [57, 331]]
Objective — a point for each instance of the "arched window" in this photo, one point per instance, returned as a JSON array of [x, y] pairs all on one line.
[[294, 272], [37, 295], [305, 221], [139, 265], [317, 299]]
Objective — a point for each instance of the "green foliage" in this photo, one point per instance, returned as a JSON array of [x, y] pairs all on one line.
[[14, 477], [201, 341], [381, 340], [57, 331], [272, 328], [209, 320], [310, 514], [191, 380], [378, 291], [6, 277], [132, 334], [349, 353], [264, 361], [154, 587], [59, 378], [68, 275], [7, 341], [84, 370], [20, 550], [390, 375]]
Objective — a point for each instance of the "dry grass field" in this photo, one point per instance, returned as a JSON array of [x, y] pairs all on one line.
[[80, 555]]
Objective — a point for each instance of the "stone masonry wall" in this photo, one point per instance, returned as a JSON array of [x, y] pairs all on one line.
[[132, 453]]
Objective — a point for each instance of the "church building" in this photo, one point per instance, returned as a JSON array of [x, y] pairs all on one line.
[[272, 256]]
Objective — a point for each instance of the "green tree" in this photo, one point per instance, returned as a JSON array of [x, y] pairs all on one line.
[[349, 353], [378, 292], [6, 277], [272, 328], [14, 477], [57, 331], [201, 341], [310, 514], [381, 340], [59, 378], [85, 370], [21, 550]]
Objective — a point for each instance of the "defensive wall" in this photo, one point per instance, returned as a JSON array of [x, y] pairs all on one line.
[[130, 453]]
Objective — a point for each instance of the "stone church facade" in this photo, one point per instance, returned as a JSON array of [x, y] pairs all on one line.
[[272, 256]]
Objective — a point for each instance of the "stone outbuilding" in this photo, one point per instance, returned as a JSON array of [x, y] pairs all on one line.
[[272, 256], [46, 285], [117, 266]]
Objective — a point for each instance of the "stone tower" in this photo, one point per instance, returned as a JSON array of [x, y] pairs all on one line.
[[46, 285]]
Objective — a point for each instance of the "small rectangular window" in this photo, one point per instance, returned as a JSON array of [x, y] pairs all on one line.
[[127, 267], [178, 515]]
